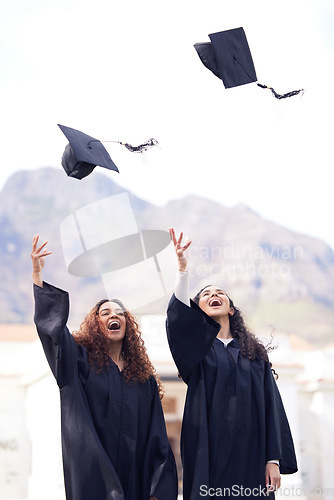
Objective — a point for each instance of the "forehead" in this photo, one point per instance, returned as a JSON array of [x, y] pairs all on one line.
[[211, 288], [110, 306]]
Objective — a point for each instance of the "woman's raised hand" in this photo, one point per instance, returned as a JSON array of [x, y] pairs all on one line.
[[179, 249], [38, 255]]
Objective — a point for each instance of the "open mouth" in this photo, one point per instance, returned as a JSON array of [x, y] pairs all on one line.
[[215, 302], [114, 325]]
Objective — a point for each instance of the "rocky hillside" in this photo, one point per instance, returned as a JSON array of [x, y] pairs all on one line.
[[282, 280]]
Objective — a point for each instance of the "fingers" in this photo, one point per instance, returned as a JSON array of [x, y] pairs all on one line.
[[267, 479], [36, 252], [34, 242], [272, 477], [271, 488], [44, 254], [187, 245], [276, 482], [172, 235], [180, 238], [177, 242]]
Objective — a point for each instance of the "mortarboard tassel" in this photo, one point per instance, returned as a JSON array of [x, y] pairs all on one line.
[[282, 96], [278, 96], [142, 147], [134, 149]]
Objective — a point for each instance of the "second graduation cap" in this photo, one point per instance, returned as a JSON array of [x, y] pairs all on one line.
[[83, 154], [229, 58]]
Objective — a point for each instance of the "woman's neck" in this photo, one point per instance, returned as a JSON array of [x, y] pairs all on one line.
[[115, 353], [225, 330]]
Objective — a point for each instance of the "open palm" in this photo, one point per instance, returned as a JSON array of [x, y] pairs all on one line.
[[180, 249], [38, 255]]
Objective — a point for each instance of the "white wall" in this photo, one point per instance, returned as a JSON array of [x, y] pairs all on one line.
[[14, 441]]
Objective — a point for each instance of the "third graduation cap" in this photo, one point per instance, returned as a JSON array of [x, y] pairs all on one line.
[[84, 153], [229, 58]]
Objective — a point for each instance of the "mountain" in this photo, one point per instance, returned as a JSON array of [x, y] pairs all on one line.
[[282, 280]]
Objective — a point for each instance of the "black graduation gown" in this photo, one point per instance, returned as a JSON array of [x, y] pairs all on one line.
[[234, 420], [114, 440]]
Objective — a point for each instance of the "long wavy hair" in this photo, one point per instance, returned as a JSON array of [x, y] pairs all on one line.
[[250, 346], [93, 336]]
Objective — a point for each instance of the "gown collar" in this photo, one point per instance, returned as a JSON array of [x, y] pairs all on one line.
[[233, 343]]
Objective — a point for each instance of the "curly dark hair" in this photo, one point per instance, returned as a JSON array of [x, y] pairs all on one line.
[[93, 336], [250, 345]]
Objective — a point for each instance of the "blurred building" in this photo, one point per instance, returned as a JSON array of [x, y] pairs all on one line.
[[30, 442]]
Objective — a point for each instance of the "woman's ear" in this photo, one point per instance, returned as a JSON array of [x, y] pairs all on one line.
[[231, 311]]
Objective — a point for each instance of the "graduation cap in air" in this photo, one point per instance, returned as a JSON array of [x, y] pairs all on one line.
[[83, 153], [229, 58]]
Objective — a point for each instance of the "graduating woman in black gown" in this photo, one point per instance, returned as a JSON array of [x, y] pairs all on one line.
[[114, 439], [236, 439]]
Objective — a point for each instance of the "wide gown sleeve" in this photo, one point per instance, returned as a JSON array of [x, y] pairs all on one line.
[[51, 314], [159, 458], [279, 443], [190, 334]]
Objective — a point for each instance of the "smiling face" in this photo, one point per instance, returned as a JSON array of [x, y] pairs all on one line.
[[215, 303], [113, 318]]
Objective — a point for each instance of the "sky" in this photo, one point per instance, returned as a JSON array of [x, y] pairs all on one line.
[[127, 70]]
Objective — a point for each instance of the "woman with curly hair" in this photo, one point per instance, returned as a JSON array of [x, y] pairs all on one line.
[[235, 437], [114, 440]]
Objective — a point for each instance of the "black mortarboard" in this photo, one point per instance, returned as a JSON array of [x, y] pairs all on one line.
[[229, 58], [83, 154]]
